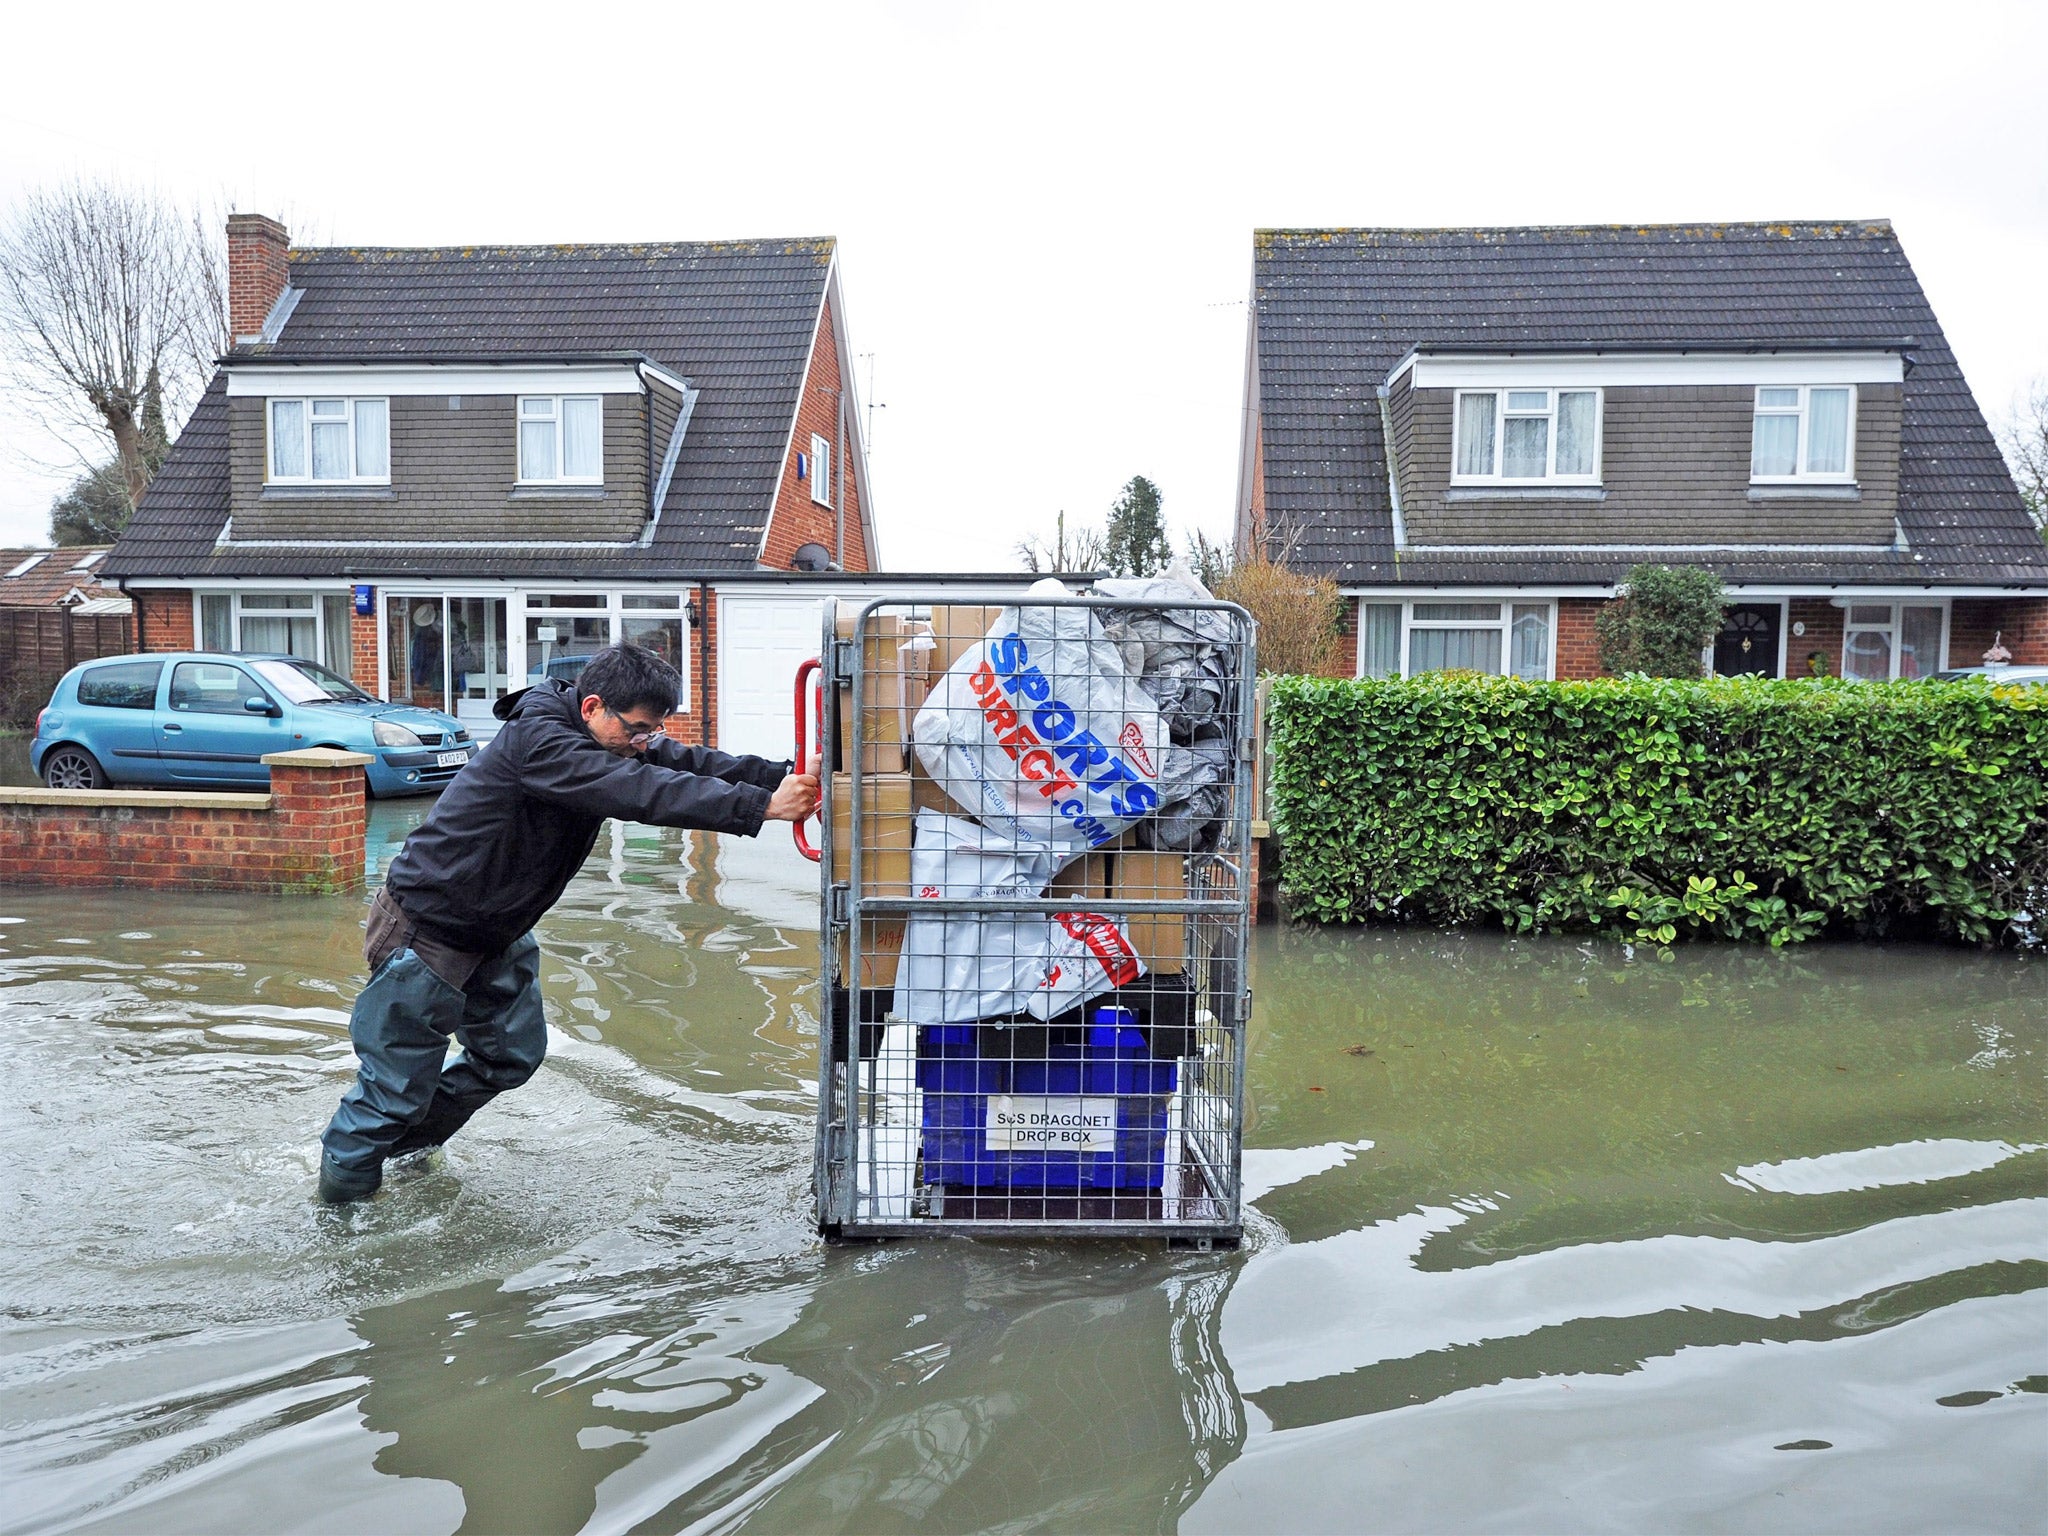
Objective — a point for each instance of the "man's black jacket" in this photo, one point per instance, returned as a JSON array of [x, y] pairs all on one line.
[[518, 822]]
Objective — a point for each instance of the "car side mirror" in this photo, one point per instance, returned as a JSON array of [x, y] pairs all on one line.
[[261, 706]]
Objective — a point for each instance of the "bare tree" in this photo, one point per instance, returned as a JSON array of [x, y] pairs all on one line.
[[1072, 549], [104, 290], [2024, 437]]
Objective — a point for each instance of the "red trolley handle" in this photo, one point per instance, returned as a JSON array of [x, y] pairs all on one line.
[[805, 670]]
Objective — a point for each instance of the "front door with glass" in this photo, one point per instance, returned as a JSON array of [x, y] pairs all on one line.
[[1748, 643], [448, 653]]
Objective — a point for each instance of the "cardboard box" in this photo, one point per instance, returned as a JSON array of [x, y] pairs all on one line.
[[957, 629], [925, 794], [886, 707], [887, 823], [881, 952], [1085, 878], [896, 675], [1141, 874]]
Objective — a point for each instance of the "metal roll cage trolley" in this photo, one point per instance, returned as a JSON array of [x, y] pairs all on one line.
[[1032, 990]]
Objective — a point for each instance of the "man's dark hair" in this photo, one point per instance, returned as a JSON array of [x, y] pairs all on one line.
[[629, 677]]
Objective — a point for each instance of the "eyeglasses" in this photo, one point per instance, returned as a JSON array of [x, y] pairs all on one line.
[[637, 738]]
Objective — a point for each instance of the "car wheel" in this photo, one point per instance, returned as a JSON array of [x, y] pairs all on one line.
[[69, 767]]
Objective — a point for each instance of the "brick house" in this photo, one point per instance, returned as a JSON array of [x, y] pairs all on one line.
[[1477, 432], [450, 472]]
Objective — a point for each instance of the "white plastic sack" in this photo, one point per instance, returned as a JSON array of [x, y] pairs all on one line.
[[961, 966], [1040, 733]]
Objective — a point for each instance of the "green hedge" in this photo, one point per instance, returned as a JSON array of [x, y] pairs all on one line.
[[1649, 809]]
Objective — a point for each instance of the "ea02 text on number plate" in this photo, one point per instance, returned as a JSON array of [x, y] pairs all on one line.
[[1029, 1123]]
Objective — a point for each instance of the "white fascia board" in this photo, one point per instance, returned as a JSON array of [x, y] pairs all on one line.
[[1563, 370], [849, 372], [663, 377], [269, 379]]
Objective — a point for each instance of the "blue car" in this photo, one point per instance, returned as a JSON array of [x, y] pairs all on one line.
[[206, 719]]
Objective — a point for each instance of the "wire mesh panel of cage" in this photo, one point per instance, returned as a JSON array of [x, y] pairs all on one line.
[[1036, 897]]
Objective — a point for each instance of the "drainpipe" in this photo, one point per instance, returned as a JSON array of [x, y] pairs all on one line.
[[839, 470], [141, 640], [703, 665]]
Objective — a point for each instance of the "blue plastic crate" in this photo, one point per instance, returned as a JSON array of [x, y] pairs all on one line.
[[962, 1067]]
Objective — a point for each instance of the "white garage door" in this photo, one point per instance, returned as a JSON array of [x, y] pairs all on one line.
[[760, 642]]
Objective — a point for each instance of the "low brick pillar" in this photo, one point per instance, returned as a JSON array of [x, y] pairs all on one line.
[[320, 802], [307, 835]]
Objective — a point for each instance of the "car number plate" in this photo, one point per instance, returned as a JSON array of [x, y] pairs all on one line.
[[450, 759]]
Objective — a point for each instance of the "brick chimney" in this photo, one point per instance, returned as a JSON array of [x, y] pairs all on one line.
[[257, 272]]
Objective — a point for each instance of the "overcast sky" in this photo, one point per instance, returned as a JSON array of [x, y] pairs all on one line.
[[1045, 212]]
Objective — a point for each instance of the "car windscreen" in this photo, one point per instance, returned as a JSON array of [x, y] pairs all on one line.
[[307, 682]]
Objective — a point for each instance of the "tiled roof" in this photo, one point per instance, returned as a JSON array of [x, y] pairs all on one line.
[[735, 318], [45, 584], [1337, 309]]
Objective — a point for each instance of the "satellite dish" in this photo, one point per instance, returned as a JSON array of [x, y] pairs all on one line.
[[811, 557]]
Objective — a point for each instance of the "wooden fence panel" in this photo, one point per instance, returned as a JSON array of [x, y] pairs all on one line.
[[39, 645]]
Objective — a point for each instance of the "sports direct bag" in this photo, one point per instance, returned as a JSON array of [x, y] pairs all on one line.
[[961, 966], [1039, 732]]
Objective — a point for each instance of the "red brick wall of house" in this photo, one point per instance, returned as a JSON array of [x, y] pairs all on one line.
[[307, 835], [362, 650], [2021, 624], [1823, 637], [689, 726], [1578, 646], [166, 616], [797, 519]]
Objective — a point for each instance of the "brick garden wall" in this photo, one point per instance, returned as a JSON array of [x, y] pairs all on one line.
[[306, 836]]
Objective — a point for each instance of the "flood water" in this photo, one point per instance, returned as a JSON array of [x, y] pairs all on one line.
[[1547, 1236]]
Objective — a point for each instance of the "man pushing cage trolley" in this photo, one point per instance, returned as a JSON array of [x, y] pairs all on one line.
[[1036, 897]]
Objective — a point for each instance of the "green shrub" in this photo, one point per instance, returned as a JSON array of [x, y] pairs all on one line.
[[1661, 621], [1649, 809]]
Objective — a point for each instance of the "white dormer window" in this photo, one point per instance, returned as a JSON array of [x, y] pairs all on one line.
[[561, 440], [1527, 437], [821, 471], [1804, 433], [330, 440]]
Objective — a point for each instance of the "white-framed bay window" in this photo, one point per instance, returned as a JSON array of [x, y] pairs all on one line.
[[1503, 637], [561, 439], [1527, 437], [1803, 434], [1883, 641], [314, 625], [329, 440]]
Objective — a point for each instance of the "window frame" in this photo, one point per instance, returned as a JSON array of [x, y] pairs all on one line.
[[821, 470], [1804, 410], [305, 404], [556, 420], [330, 644], [607, 603], [1550, 477], [1506, 604], [1893, 629]]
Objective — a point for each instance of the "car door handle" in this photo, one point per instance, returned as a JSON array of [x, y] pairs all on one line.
[[174, 727]]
